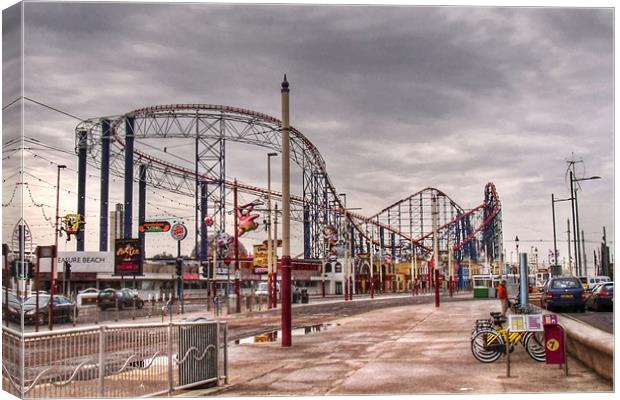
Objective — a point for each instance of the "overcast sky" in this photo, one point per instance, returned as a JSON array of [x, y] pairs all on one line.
[[396, 99]]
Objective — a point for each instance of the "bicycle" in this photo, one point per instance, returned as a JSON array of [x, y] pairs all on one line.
[[489, 338]]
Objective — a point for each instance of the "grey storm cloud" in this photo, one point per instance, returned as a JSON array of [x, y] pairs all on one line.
[[395, 98]]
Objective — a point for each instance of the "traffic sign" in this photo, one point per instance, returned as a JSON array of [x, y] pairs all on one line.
[[154, 227], [178, 231]]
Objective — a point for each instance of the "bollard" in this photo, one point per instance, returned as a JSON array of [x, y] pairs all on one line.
[[436, 288], [508, 354], [116, 313]]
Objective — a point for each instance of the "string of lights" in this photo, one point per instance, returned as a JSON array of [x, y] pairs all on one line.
[[8, 203]]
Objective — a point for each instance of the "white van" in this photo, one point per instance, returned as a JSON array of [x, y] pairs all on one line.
[[589, 281]]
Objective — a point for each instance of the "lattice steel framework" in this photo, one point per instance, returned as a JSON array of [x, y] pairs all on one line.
[[211, 126]]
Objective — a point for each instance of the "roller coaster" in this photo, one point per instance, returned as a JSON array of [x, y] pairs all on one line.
[[109, 144]]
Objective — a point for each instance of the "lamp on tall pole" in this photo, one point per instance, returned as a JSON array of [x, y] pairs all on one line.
[[270, 267], [576, 219], [55, 259], [286, 218], [346, 248], [555, 245], [517, 246]]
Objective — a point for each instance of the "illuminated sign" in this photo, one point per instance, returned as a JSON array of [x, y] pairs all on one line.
[[154, 227], [127, 257]]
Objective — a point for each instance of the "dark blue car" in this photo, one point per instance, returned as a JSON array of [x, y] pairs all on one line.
[[601, 297], [564, 292]]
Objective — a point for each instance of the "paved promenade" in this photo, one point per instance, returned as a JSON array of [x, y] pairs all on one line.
[[415, 349]]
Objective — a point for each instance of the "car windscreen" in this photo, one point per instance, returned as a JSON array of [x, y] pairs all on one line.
[[32, 300], [565, 284]]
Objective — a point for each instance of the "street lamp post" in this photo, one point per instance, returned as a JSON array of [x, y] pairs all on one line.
[[237, 266], [270, 282], [576, 220], [372, 261], [55, 259], [345, 269], [555, 245], [286, 218]]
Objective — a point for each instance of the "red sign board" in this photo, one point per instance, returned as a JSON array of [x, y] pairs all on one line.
[[154, 226], [127, 257], [554, 342]]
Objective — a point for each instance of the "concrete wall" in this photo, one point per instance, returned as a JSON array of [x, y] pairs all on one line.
[[593, 347]]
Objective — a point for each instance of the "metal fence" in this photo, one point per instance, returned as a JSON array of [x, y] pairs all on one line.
[[114, 361]]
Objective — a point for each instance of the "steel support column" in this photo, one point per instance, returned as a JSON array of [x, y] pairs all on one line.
[[81, 200], [204, 252], [142, 206], [104, 185], [128, 209]]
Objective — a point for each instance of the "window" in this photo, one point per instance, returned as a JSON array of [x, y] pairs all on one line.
[[328, 267], [566, 284], [338, 268]]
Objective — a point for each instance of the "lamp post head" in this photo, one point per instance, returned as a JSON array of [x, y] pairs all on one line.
[[272, 154], [285, 84], [587, 179], [62, 166]]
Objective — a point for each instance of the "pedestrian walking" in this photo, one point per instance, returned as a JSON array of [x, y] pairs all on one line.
[[502, 294]]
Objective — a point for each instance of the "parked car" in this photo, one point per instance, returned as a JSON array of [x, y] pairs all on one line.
[[564, 292], [87, 297], [123, 298], [14, 306], [64, 309], [601, 297], [263, 289]]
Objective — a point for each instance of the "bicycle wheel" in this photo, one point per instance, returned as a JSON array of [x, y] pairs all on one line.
[[486, 346], [534, 344]]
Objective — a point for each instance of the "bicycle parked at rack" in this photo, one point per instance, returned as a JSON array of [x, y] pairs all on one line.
[[489, 338]]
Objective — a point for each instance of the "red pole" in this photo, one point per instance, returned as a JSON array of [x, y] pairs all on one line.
[[269, 290], [286, 301], [350, 289], [5, 259], [237, 270], [436, 288], [273, 289], [372, 287], [37, 277]]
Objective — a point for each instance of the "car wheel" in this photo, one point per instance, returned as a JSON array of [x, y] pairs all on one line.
[[139, 304]]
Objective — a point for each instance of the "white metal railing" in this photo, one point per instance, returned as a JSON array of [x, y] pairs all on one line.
[[114, 361]]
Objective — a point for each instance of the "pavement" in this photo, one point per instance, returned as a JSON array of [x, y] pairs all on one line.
[[413, 349]]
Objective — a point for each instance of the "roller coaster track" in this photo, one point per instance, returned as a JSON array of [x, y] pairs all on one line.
[[320, 204]]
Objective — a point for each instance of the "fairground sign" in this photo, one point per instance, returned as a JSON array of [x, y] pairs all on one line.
[[154, 227], [127, 257], [178, 231]]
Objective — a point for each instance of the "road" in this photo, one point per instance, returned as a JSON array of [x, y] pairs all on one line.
[[603, 320], [317, 312]]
